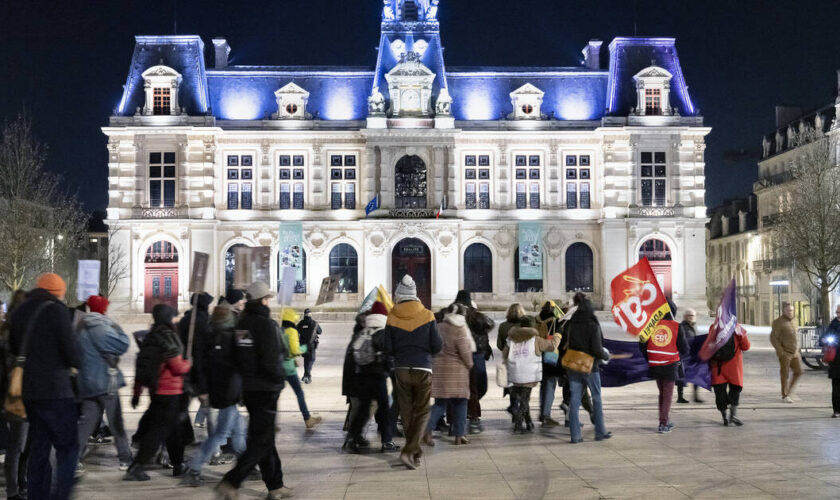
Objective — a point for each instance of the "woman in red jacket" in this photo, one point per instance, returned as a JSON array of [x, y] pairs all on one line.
[[730, 375], [166, 397]]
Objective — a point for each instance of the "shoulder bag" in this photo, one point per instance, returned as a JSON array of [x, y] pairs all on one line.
[[578, 361], [13, 408]]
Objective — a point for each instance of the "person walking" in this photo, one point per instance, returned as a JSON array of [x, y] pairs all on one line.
[[310, 334], [552, 374], [290, 319], [728, 376], [224, 385], [17, 449], [514, 313], [829, 340], [662, 351], [235, 300], [480, 326], [585, 336], [195, 384], [451, 373], [101, 342], [364, 381], [161, 353], [784, 339], [42, 336], [259, 352], [523, 357], [688, 329], [411, 337]]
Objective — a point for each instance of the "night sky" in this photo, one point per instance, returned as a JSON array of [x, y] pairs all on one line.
[[66, 62]]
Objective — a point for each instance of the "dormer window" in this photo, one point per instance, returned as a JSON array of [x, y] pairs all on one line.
[[161, 86], [291, 103], [653, 87], [527, 103], [410, 87]]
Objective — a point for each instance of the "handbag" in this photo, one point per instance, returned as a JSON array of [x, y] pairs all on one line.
[[551, 357], [829, 353], [13, 408], [578, 361], [502, 375]]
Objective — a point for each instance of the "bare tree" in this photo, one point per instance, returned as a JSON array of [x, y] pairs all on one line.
[[114, 259], [41, 226], [807, 230]]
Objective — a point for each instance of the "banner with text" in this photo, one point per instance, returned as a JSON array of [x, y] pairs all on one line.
[[290, 243], [530, 251], [251, 264], [638, 302], [88, 282]]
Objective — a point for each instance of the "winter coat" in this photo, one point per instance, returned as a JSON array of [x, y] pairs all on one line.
[[224, 384], [783, 337], [479, 325], [411, 335], [833, 329], [264, 373], [502, 335], [451, 366], [52, 347], [732, 371], [688, 330], [201, 340], [584, 334], [174, 366], [101, 342], [309, 331], [292, 340], [670, 371], [525, 369], [357, 381]]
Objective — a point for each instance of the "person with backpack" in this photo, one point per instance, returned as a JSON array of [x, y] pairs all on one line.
[[727, 367], [688, 329], [224, 385], [259, 352], [101, 342], [364, 381], [662, 351], [523, 357], [290, 319], [785, 341], [42, 338], [160, 367], [411, 337], [310, 335]]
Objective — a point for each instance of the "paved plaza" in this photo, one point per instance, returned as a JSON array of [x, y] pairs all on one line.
[[782, 451]]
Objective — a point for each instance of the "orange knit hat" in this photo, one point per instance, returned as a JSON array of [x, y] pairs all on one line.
[[52, 283]]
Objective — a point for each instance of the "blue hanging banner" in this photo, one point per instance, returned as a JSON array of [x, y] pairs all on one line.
[[530, 251], [290, 243]]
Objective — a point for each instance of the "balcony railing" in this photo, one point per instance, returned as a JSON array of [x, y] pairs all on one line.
[[769, 220], [652, 212], [159, 213], [768, 265], [745, 290], [412, 213]]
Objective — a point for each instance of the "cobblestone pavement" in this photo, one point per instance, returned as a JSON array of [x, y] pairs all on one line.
[[783, 450]]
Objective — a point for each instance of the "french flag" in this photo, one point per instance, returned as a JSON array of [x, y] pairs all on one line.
[[440, 209]]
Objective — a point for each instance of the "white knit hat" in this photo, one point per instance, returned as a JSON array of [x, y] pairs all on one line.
[[406, 290]]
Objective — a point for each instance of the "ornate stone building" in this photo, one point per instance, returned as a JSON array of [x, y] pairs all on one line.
[[609, 159]]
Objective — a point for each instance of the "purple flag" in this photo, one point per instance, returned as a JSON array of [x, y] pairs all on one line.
[[724, 325], [621, 372]]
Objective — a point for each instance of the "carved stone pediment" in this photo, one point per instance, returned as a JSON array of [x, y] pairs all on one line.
[[317, 240]]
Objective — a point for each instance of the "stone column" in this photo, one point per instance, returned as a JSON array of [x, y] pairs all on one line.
[[317, 181], [453, 179]]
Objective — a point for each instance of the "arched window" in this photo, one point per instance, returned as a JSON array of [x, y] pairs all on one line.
[[524, 285], [579, 268], [410, 183], [478, 269], [230, 265], [655, 250], [345, 263], [300, 283]]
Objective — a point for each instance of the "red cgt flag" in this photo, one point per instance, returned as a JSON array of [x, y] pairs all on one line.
[[638, 302]]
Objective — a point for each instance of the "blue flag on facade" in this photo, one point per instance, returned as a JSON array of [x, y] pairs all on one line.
[[372, 205]]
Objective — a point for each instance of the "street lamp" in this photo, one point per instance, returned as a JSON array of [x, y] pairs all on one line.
[[779, 284]]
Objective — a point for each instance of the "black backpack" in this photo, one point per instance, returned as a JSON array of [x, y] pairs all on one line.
[[147, 366], [726, 352]]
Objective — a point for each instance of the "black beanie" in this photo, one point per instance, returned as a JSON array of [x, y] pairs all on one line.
[[163, 314]]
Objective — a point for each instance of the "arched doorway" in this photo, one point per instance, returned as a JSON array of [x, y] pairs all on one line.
[[478, 268], [161, 276], [579, 272], [410, 183], [411, 256], [659, 256]]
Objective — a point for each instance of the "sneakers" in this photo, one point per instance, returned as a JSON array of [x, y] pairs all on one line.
[[604, 437], [284, 492], [225, 491], [222, 459], [664, 429], [549, 422], [124, 466], [390, 446], [835, 414], [787, 399], [136, 473], [80, 470], [313, 421], [193, 479], [475, 426], [306, 379], [670, 425]]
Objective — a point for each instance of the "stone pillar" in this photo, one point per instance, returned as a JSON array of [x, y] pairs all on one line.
[[503, 181], [317, 181], [386, 178], [453, 179]]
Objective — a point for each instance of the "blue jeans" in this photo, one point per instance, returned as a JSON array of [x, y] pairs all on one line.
[[229, 425], [459, 414], [547, 387], [576, 383], [52, 424], [294, 383]]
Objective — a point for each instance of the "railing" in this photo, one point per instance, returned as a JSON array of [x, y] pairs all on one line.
[[745, 290], [773, 180], [653, 212], [412, 213], [159, 213], [769, 220], [771, 264]]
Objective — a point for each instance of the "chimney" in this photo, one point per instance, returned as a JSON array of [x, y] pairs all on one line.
[[592, 54], [222, 52]]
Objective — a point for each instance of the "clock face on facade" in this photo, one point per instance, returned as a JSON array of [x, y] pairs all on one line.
[[410, 100]]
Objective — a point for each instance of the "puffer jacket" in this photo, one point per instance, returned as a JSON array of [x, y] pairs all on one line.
[[101, 343], [525, 367], [294, 348], [411, 336], [174, 366]]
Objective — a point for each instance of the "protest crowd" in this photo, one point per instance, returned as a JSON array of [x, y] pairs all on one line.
[[425, 372]]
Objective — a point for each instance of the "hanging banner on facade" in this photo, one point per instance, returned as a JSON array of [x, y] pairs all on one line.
[[88, 282], [286, 289], [724, 326], [251, 264], [290, 243], [530, 251], [198, 277], [638, 301]]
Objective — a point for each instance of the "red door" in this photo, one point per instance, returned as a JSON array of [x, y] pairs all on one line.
[[161, 276], [411, 256], [659, 256]]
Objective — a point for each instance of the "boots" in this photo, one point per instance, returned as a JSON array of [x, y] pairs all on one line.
[[680, 398], [725, 419], [697, 398], [733, 415]]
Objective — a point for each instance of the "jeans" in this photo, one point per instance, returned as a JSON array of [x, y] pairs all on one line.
[[162, 425], [459, 414], [229, 425], [414, 389], [788, 363], [723, 398], [52, 424], [91, 415], [308, 361], [372, 388], [547, 388], [478, 385], [294, 383], [577, 381], [16, 457], [666, 396], [206, 414], [260, 446]]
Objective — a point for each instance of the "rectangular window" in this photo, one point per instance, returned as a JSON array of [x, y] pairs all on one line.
[[484, 160], [647, 192], [571, 161], [571, 195], [469, 160], [156, 286], [161, 180], [521, 195], [584, 195], [285, 196], [154, 193], [350, 195], [335, 160], [653, 172], [298, 199], [335, 195], [521, 161], [534, 199], [161, 101], [236, 173], [484, 195], [246, 196], [653, 102], [534, 161], [659, 192], [233, 196], [469, 199], [167, 286]]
